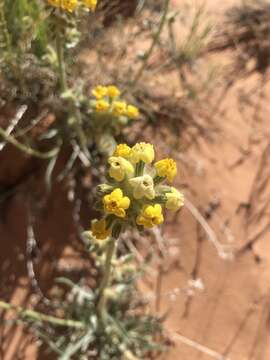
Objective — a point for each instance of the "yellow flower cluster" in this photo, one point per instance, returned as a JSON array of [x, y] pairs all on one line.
[[71, 5], [134, 194], [108, 101]]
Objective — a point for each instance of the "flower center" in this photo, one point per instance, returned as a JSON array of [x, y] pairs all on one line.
[[113, 204], [154, 219]]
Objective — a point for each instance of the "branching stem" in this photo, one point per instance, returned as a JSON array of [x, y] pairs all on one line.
[[27, 150], [61, 62], [37, 316]]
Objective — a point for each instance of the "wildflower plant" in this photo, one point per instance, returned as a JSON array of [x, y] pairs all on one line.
[[105, 321], [134, 196], [49, 30]]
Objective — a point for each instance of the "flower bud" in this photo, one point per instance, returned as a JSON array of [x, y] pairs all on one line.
[[143, 186], [175, 200], [142, 152], [122, 150], [119, 168], [104, 189], [166, 168]]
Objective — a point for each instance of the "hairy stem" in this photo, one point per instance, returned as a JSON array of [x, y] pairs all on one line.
[[61, 62], [36, 316], [63, 84], [101, 305]]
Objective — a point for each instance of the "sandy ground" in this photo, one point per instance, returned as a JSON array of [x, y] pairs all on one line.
[[230, 184], [224, 312], [231, 314]]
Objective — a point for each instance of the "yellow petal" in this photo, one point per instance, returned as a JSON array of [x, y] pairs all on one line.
[[116, 194], [124, 202]]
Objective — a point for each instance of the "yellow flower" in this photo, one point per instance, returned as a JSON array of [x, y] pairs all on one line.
[[122, 150], [115, 203], [68, 5], [99, 91], [150, 216], [56, 3], [166, 168], [113, 91], [102, 105], [142, 152], [119, 168], [143, 186], [90, 4], [119, 108], [132, 112], [99, 231], [175, 200]]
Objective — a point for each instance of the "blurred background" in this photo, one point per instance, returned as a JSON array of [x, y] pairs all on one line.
[[199, 74]]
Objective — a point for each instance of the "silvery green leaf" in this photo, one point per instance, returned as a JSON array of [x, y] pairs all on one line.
[[49, 172], [48, 134], [87, 235]]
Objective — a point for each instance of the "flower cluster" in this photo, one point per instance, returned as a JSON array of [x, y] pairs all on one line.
[[135, 193], [107, 102], [71, 5]]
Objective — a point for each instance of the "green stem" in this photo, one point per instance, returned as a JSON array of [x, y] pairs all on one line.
[[61, 62], [139, 168], [27, 150], [158, 179], [153, 44], [101, 305], [63, 85], [36, 316]]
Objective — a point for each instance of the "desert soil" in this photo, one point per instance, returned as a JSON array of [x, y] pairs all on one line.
[[218, 304]]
